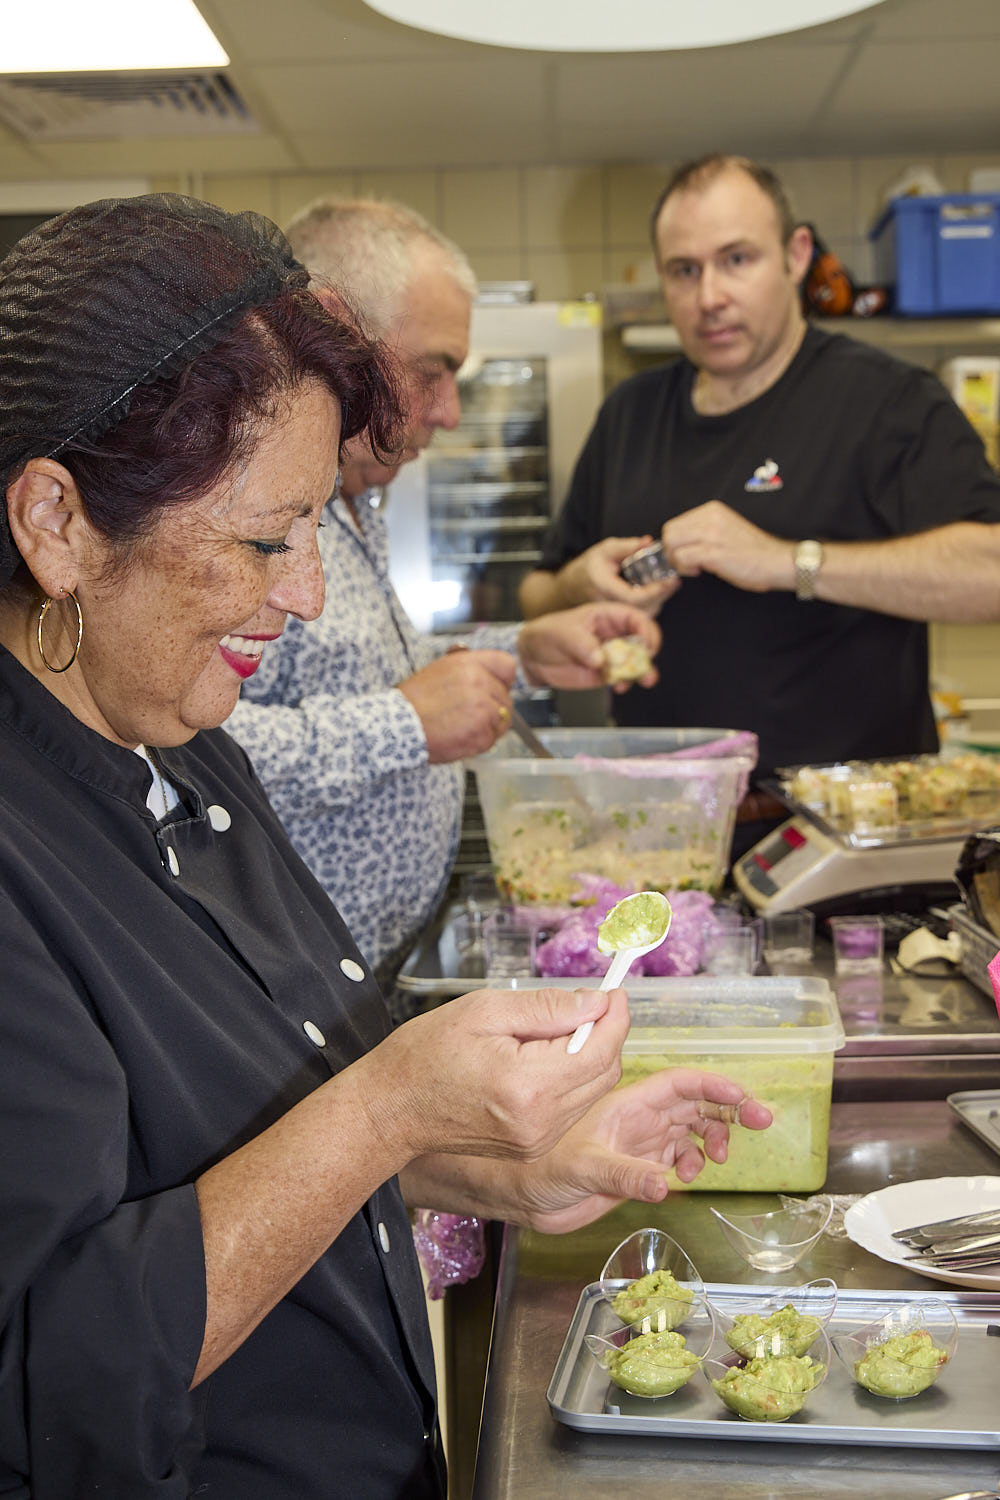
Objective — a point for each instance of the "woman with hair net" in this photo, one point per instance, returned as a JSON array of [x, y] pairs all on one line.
[[207, 1277]]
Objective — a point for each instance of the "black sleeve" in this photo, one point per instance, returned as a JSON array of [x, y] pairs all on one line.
[[580, 522], [102, 1302], [925, 465]]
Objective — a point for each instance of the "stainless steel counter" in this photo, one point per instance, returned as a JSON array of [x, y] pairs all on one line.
[[525, 1453]]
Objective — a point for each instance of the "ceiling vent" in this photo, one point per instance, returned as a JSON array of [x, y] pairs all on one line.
[[118, 106]]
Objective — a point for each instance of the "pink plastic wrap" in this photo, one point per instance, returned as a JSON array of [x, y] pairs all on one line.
[[739, 746], [451, 1248]]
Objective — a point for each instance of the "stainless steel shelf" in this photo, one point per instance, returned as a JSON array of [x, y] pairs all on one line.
[[489, 525]]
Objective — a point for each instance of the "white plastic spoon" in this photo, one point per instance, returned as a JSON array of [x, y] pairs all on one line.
[[635, 926]]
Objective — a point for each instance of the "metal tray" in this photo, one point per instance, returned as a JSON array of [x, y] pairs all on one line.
[[911, 831], [980, 1110], [435, 966], [960, 1411]]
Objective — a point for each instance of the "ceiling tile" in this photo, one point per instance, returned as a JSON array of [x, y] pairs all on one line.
[[928, 97], [749, 99], [311, 31], [917, 20], [334, 117], [337, 88]]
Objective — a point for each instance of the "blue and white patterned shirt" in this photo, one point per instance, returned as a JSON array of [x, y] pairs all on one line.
[[342, 753]]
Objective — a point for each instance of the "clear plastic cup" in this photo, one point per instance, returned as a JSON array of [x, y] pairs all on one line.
[[478, 891], [508, 946], [467, 930], [731, 950], [788, 941], [858, 944]]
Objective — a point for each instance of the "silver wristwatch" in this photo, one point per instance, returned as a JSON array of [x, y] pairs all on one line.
[[808, 561]]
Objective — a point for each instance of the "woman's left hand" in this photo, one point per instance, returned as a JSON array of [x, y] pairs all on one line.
[[623, 1144]]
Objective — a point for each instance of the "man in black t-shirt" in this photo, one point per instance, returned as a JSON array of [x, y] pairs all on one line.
[[820, 500]]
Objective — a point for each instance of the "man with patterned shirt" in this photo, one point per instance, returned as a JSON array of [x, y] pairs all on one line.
[[356, 723]]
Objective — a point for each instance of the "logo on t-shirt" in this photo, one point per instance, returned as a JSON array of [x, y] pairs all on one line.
[[765, 478]]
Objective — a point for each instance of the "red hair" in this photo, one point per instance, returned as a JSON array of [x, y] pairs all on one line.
[[185, 433]]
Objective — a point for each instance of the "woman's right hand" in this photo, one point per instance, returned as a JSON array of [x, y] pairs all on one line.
[[489, 1074]]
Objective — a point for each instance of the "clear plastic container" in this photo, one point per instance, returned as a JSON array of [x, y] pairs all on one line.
[[777, 1037], [614, 803]]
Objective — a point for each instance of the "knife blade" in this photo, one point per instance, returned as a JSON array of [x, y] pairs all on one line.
[[939, 1228], [954, 1262], [527, 736]]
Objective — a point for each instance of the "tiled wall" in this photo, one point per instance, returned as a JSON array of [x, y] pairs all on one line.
[[570, 230], [574, 230]]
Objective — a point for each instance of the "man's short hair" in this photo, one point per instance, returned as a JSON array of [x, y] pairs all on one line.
[[368, 249], [699, 174]]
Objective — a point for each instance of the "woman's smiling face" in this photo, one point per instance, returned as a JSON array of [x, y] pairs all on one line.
[[166, 647]]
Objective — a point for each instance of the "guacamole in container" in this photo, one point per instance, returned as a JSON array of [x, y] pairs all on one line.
[[769, 1389], [786, 1331], [658, 1297], [776, 1035], [902, 1366], [653, 1364]]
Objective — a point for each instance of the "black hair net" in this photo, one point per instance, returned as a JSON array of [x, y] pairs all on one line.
[[111, 295]]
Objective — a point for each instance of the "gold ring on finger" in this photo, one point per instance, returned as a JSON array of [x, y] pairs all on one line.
[[503, 713]]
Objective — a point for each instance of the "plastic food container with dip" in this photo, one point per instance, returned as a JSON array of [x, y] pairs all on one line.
[[637, 807], [777, 1037]]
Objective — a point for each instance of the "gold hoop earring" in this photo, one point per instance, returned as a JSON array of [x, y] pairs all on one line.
[[79, 634]]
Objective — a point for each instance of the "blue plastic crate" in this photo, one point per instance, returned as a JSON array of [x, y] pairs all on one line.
[[940, 255]]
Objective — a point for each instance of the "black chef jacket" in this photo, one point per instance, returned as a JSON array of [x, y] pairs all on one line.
[[167, 992]]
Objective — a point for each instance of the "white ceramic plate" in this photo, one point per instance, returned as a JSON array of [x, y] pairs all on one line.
[[871, 1222]]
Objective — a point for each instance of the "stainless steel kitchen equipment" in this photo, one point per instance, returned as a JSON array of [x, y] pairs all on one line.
[[466, 519]]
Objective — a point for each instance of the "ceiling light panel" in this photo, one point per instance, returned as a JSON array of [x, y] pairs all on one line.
[[625, 26], [67, 36]]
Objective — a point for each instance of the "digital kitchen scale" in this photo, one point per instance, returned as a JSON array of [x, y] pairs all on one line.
[[805, 862]]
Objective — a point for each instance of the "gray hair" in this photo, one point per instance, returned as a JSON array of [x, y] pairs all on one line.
[[368, 248]]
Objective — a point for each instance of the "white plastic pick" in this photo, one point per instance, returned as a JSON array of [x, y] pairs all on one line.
[[623, 957]]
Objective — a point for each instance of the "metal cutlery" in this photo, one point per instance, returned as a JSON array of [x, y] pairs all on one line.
[[527, 736], [954, 1262], [946, 1229]]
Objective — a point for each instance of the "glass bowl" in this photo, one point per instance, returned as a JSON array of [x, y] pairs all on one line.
[[777, 1241], [667, 1281], [901, 1353], [652, 1361], [768, 1388], [754, 1325]]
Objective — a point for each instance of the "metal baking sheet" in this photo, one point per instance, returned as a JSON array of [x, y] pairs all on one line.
[[436, 967], [907, 831], [959, 1411], [980, 1110]]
